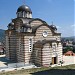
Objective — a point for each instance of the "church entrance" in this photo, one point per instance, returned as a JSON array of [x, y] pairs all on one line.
[[54, 59]]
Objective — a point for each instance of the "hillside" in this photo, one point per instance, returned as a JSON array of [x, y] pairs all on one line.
[[71, 38]]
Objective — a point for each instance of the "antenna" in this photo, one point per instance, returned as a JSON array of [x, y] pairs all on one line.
[[52, 22]]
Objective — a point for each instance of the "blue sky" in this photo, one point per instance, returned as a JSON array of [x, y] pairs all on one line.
[[61, 12]]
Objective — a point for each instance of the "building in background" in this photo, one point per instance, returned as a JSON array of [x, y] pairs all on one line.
[[2, 49], [69, 53], [32, 40]]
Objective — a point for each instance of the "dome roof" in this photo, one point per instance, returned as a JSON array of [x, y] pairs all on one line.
[[53, 27], [11, 24], [24, 8]]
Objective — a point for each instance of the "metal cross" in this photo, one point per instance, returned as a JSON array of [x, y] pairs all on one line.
[[52, 22]]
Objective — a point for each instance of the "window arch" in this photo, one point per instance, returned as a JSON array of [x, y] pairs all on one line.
[[30, 44]]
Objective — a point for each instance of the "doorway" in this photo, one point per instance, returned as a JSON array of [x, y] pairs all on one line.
[[54, 60]]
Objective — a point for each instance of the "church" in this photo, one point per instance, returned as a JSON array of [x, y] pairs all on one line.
[[32, 40]]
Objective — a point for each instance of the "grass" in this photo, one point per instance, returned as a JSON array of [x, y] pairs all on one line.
[[64, 70], [25, 71]]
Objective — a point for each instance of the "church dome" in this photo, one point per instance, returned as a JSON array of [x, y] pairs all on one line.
[[24, 8]]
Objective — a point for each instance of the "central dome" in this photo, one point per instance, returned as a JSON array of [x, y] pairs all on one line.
[[24, 8]]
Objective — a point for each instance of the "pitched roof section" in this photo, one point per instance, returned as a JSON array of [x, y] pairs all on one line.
[[39, 43], [34, 29], [28, 21], [38, 20]]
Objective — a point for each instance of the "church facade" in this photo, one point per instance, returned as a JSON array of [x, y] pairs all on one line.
[[32, 40]]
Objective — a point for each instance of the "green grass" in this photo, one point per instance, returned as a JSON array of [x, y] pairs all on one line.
[[25, 71], [65, 67], [49, 70]]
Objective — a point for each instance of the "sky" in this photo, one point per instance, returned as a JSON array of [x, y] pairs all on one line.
[[60, 12]]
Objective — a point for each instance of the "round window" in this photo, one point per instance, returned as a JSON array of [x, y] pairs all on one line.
[[45, 33]]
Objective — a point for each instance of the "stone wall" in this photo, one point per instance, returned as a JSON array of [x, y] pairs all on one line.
[[67, 60]]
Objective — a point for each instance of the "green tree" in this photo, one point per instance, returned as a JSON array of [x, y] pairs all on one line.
[[68, 48]]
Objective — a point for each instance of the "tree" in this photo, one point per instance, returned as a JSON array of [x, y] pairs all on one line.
[[68, 48]]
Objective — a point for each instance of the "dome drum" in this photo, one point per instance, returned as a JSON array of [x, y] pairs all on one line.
[[24, 11]]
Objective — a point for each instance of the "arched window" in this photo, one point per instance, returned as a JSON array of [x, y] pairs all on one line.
[[23, 29], [54, 47], [30, 45]]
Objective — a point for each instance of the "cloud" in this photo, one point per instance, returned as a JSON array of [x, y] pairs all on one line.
[[73, 25], [67, 30], [58, 27]]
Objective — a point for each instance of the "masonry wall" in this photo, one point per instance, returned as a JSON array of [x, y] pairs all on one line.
[[67, 60], [28, 54], [39, 34], [59, 52], [36, 23], [46, 55], [37, 56], [7, 47], [20, 49], [11, 46]]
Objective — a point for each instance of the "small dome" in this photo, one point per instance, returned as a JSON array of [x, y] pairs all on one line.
[[53, 27], [24, 8], [11, 24]]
